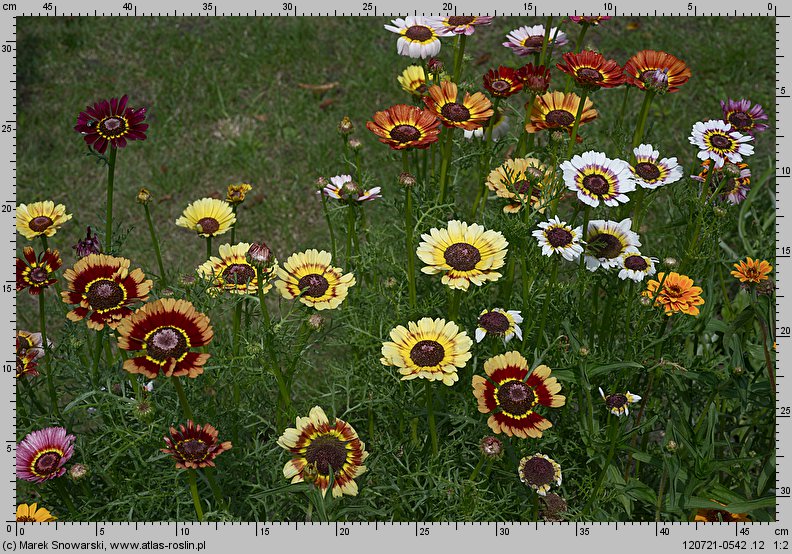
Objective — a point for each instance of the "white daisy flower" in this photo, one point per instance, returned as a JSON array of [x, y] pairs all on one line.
[[342, 187], [635, 266], [558, 237], [719, 142], [596, 178], [528, 40], [606, 241], [618, 403], [650, 173], [499, 129], [499, 322], [420, 38]]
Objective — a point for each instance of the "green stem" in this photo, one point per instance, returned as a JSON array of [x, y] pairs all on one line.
[[613, 432], [350, 232], [182, 398], [642, 116], [547, 300], [508, 283], [573, 137], [521, 144], [97, 356], [50, 382], [409, 229], [111, 163], [196, 498], [237, 324], [208, 247], [431, 418], [329, 226], [535, 507], [660, 493], [477, 469], [459, 56], [625, 96], [446, 159], [154, 241], [548, 25], [578, 45], [216, 492], [454, 299], [234, 226]]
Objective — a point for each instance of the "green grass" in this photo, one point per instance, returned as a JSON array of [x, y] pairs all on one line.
[[226, 105]]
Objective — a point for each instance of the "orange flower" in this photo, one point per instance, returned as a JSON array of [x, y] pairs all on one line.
[[752, 271], [591, 70], [556, 110], [677, 294], [642, 70], [404, 126], [473, 112]]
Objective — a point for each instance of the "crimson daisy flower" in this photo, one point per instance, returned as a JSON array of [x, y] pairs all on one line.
[[591, 70], [111, 122], [589, 19], [656, 70], [194, 446], [535, 78], [42, 454], [165, 331], [744, 117], [37, 273], [511, 392], [502, 82], [25, 361], [404, 126]]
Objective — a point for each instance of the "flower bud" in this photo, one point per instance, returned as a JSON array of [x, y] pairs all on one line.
[[491, 447], [558, 136], [645, 301], [407, 179], [143, 196], [320, 183], [78, 471], [355, 144], [583, 351], [671, 263], [88, 245], [346, 126], [316, 322], [259, 254], [144, 409], [719, 211], [235, 194], [738, 370], [672, 446], [766, 288], [435, 65], [731, 169]]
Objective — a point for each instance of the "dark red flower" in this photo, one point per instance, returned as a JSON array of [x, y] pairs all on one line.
[[591, 70], [502, 82], [111, 122], [194, 446], [535, 79], [36, 273]]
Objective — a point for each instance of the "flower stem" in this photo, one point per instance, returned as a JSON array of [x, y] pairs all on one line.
[[431, 418], [548, 299], [446, 159], [218, 494], [182, 398], [234, 226], [545, 40], [454, 300], [237, 324], [642, 116], [195, 496], [111, 162], [208, 247], [578, 45], [459, 56], [521, 144], [329, 226], [613, 434], [477, 469], [409, 229], [578, 115], [50, 382], [154, 241], [350, 231]]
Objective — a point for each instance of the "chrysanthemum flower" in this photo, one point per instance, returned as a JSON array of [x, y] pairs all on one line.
[[343, 188], [165, 332], [752, 271], [40, 218], [29, 342], [500, 127], [320, 449], [208, 217], [606, 241], [641, 71], [464, 253], [473, 112], [235, 194], [111, 122], [558, 237], [25, 362], [431, 349], [310, 277], [529, 40], [709, 515], [33, 513], [521, 181], [37, 273], [717, 141], [402, 126], [419, 37], [618, 403], [232, 272], [737, 187], [194, 446], [103, 288], [556, 110], [591, 70], [535, 78], [511, 392], [502, 82], [596, 178], [460, 24], [633, 265], [87, 246], [677, 294], [500, 323], [415, 81], [491, 447], [650, 173], [593, 20], [539, 472], [743, 117], [42, 454]]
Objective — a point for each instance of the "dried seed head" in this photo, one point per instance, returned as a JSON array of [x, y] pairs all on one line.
[[407, 179], [143, 196], [346, 126]]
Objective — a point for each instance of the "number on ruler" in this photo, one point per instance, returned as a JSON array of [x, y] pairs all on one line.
[[448, 7], [786, 410], [128, 6], [583, 531], [528, 7], [48, 6], [423, 531], [6, 48], [288, 6], [786, 251], [608, 6], [784, 490], [343, 531], [368, 6], [785, 170], [503, 531], [207, 6], [6, 209], [784, 331]]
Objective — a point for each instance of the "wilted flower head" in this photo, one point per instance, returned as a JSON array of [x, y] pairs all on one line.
[[88, 245], [143, 196], [354, 144], [535, 78], [316, 322], [236, 193], [346, 126], [491, 447], [407, 179], [78, 471], [435, 65]]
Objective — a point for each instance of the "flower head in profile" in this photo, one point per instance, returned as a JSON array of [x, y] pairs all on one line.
[[324, 453], [593, 20], [36, 273], [102, 289], [26, 363], [414, 80], [165, 332], [236, 193], [344, 189], [529, 40], [651, 172], [521, 181], [558, 237], [42, 454], [656, 71], [402, 126], [502, 82], [232, 272], [40, 219], [469, 114], [591, 70], [675, 293], [711, 515], [460, 24], [618, 403], [539, 472], [310, 277], [111, 122], [511, 393], [87, 246], [598, 179], [635, 266], [717, 141], [500, 127], [535, 78], [752, 271], [500, 323], [737, 185], [606, 241], [431, 349], [743, 117], [209, 217], [194, 446], [33, 513], [30, 342], [557, 110], [464, 254], [419, 37]]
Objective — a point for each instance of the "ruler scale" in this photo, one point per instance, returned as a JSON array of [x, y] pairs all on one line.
[[421, 536]]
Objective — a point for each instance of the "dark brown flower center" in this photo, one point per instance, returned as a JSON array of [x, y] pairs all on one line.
[[419, 33], [526, 188], [405, 133], [25, 518], [605, 245], [516, 398], [40, 223], [721, 142], [494, 322], [314, 285], [193, 450], [208, 225], [239, 274], [718, 515], [427, 353], [326, 452], [166, 342], [39, 275], [560, 118], [461, 19], [741, 120], [596, 184], [558, 237], [112, 127], [533, 41], [47, 463], [500, 85], [615, 401], [462, 256], [104, 294], [636, 263], [537, 472], [455, 112], [588, 75], [647, 171]]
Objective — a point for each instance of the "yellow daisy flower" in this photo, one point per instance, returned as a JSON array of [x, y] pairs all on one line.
[[236, 193], [40, 218], [521, 181], [310, 277], [208, 217], [233, 272], [33, 513]]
